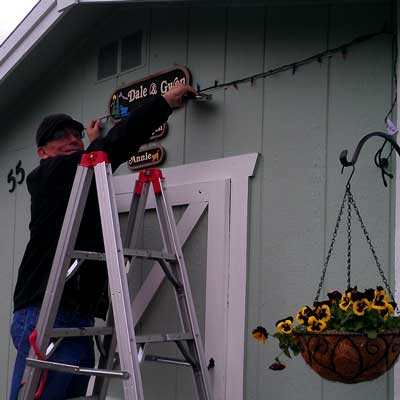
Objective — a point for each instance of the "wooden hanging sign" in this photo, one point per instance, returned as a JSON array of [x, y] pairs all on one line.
[[129, 97], [160, 132], [147, 158]]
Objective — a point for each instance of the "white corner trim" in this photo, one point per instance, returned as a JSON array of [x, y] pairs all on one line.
[[396, 250], [396, 389], [35, 25], [237, 290]]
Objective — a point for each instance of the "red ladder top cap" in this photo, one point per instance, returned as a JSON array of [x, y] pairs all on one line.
[[150, 175], [94, 158]]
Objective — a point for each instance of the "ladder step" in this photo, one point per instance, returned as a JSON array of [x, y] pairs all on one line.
[[75, 369], [168, 337], [102, 331], [89, 331], [148, 254]]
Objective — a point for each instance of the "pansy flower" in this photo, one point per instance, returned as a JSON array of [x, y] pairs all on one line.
[[277, 366], [387, 311], [260, 334], [334, 295], [304, 314], [345, 301], [285, 325], [380, 299], [360, 306], [315, 325], [369, 294], [356, 295], [323, 312]]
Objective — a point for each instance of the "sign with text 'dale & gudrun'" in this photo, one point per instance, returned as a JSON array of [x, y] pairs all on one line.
[[129, 97]]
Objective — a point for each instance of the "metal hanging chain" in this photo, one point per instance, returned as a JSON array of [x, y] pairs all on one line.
[[349, 204], [371, 247], [332, 244], [348, 197]]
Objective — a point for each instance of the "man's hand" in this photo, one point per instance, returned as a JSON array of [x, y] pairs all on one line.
[[93, 130], [177, 94]]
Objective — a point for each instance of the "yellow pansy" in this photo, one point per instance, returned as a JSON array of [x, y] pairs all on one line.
[[360, 306], [315, 325], [285, 325]]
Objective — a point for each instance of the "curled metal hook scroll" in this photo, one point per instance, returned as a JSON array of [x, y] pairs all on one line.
[[381, 163]]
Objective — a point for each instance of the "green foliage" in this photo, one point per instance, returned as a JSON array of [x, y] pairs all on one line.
[[287, 343]]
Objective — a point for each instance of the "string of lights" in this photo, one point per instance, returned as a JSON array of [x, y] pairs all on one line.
[[342, 49], [294, 66], [380, 161]]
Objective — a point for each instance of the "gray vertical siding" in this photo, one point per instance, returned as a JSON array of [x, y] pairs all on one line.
[[348, 119], [298, 123], [293, 183], [204, 137]]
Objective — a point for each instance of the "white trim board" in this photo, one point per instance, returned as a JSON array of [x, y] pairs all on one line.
[[396, 250], [234, 168], [232, 226]]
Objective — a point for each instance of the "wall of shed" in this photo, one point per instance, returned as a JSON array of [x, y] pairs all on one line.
[[298, 123]]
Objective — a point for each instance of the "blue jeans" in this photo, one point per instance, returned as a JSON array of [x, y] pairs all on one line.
[[74, 350]]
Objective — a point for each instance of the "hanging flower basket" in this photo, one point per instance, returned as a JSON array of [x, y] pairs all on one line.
[[353, 336], [350, 357]]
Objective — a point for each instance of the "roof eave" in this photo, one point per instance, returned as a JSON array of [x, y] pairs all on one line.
[[27, 34]]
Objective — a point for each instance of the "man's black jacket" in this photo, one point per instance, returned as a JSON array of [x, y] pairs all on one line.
[[49, 186]]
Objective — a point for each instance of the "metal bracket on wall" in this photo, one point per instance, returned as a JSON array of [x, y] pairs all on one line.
[[381, 162]]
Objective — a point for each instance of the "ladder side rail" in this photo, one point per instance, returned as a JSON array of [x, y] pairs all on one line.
[[167, 221], [136, 215], [135, 222], [135, 225], [58, 273], [184, 300], [118, 282]]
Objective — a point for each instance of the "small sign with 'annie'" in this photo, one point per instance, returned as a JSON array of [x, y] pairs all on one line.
[[147, 158]]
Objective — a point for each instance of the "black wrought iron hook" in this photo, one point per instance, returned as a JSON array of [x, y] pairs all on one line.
[[381, 163]]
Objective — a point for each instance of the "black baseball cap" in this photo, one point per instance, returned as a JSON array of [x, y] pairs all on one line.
[[53, 123]]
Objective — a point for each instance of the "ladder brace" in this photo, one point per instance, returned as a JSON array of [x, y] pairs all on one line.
[[75, 369]]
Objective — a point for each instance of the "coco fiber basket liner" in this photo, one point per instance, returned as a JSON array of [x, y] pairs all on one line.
[[349, 357]]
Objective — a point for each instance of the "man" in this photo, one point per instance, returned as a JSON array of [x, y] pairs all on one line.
[[60, 149]]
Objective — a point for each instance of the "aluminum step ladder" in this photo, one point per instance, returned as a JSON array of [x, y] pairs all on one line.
[[119, 330]]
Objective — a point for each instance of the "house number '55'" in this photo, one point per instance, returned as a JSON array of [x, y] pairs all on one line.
[[18, 178]]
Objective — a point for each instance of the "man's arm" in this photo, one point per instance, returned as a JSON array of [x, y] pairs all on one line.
[[125, 138]]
